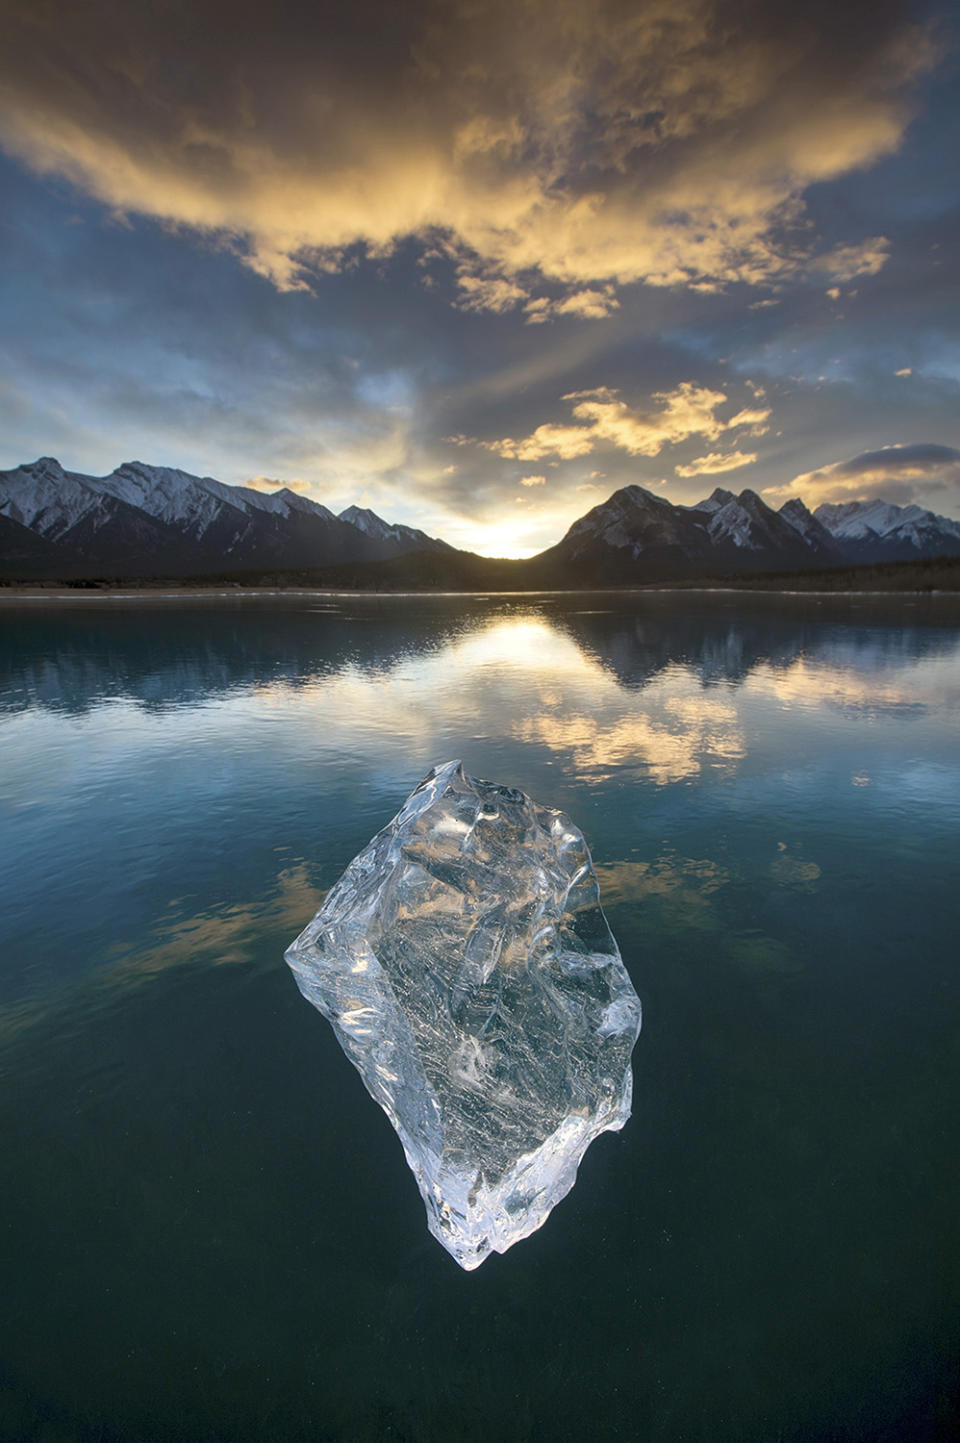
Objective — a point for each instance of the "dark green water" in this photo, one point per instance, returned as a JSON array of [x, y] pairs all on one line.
[[208, 1228]]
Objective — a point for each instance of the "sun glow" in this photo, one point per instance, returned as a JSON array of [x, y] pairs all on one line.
[[512, 539]]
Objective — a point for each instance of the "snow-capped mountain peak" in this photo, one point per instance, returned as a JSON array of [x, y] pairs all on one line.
[[375, 527], [169, 495], [876, 529], [808, 528], [365, 520], [44, 466], [719, 497], [744, 521], [43, 497], [858, 519], [615, 520]]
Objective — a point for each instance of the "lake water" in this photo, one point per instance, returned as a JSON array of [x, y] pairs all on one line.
[[208, 1228]]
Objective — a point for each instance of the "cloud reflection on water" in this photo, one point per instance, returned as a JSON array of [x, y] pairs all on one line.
[[228, 935], [693, 733], [665, 693]]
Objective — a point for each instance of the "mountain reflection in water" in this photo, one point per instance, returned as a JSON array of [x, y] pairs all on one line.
[[169, 653]]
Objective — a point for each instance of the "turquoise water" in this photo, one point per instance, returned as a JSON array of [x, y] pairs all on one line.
[[208, 1228]]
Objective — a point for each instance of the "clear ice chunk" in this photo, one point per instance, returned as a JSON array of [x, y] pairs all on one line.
[[470, 976]]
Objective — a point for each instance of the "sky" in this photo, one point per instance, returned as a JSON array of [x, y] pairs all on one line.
[[478, 263]]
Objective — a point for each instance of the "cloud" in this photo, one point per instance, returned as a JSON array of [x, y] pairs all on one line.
[[269, 483], [590, 304], [488, 293], [756, 419], [605, 419], [716, 462], [533, 480], [593, 305], [845, 263], [896, 473], [552, 150]]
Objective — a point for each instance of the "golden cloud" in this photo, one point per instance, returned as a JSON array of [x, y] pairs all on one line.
[[594, 304], [545, 144], [489, 293], [895, 473], [716, 462], [845, 263], [269, 483], [755, 418], [605, 419]]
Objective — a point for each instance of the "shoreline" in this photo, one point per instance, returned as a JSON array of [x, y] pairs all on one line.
[[18, 595]]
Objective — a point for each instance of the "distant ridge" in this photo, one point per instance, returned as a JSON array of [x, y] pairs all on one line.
[[157, 521]]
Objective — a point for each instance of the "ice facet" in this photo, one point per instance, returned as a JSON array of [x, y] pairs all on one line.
[[470, 975]]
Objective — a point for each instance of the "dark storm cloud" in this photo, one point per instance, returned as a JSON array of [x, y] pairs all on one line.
[[921, 460], [551, 150]]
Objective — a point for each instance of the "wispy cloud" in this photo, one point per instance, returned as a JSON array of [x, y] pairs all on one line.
[[755, 418], [716, 462]]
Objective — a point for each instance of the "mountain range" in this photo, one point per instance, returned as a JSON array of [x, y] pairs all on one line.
[[637, 530], [156, 521]]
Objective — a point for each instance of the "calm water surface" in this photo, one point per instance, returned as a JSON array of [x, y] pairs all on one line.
[[208, 1228]]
